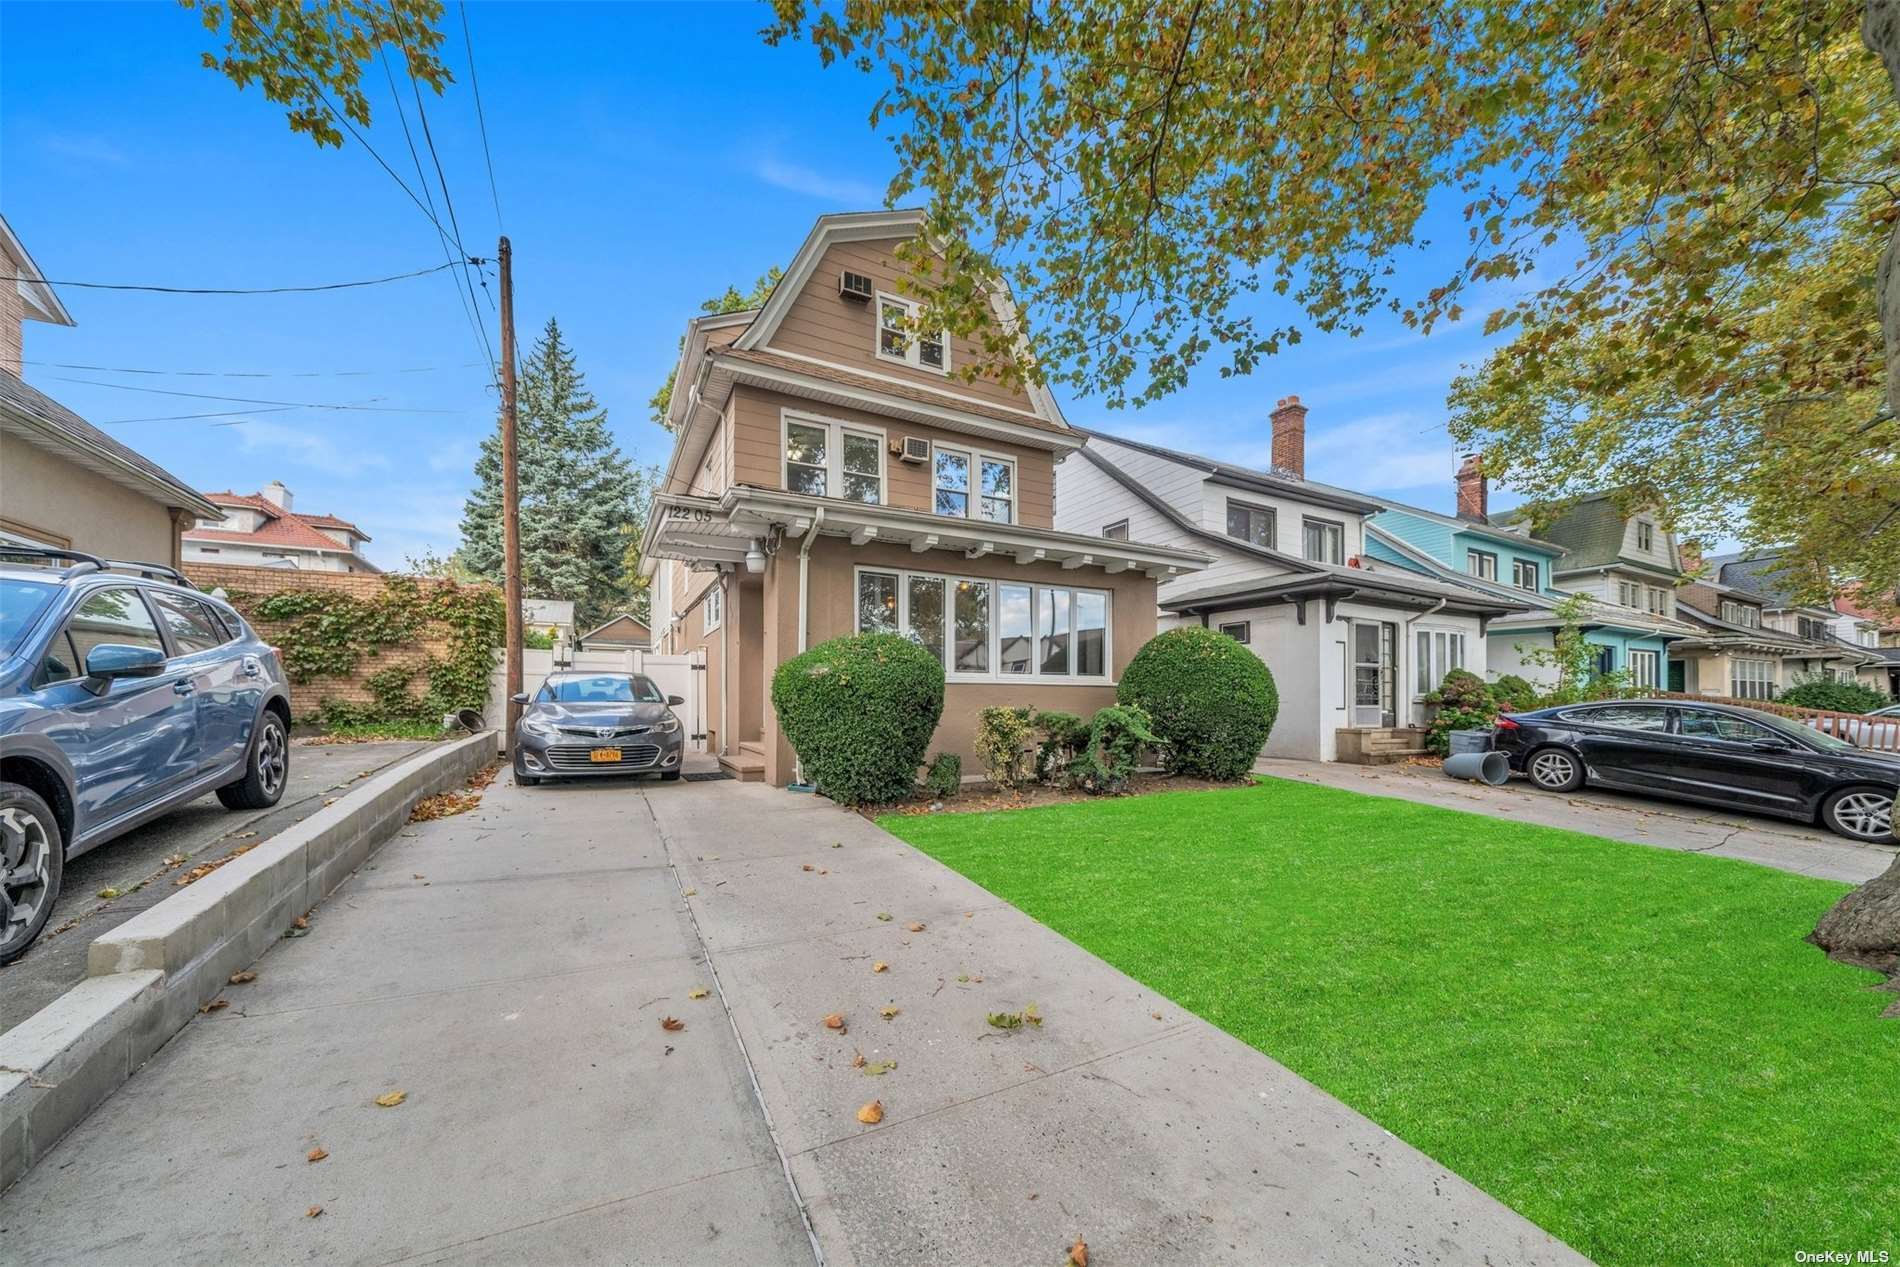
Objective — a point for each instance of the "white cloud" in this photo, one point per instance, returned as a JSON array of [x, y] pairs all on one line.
[[311, 449], [842, 192]]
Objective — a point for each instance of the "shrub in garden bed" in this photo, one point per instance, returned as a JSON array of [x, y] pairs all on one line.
[[859, 712], [1839, 697], [1211, 701], [1464, 702], [1001, 735], [945, 776]]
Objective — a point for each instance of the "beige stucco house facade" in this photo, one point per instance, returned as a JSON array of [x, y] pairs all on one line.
[[64, 482], [832, 474]]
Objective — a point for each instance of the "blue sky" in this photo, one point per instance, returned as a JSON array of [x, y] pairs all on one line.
[[647, 156]]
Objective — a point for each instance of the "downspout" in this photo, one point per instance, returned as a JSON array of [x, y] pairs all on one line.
[[725, 660], [804, 607]]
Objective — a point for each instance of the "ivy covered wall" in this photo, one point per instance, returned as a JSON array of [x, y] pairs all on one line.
[[361, 648]]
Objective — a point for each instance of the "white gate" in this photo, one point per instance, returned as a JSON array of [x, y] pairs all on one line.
[[680, 675]]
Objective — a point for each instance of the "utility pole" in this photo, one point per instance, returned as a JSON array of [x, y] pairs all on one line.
[[510, 492]]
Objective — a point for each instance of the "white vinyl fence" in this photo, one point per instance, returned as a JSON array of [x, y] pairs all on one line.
[[681, 675]]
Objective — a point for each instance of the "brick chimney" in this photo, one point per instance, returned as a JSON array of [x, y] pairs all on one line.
[[1474, 490], [1289, 436]]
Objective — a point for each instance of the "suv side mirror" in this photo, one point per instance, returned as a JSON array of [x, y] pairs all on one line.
[[110, 661], [519, 698], [674, 701]]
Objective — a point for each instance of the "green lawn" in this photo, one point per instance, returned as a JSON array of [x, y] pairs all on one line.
[[1633, 1048]]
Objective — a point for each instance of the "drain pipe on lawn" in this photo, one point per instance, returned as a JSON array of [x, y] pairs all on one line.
[[804, 622]]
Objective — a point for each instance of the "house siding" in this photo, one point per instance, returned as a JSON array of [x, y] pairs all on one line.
[[44, 496]]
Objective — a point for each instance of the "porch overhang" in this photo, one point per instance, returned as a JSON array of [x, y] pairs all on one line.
[[1377, 588], [720, 531]]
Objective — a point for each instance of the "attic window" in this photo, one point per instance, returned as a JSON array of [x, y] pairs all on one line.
[[895, 343]]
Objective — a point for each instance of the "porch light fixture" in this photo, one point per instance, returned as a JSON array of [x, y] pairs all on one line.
[[754, 557]]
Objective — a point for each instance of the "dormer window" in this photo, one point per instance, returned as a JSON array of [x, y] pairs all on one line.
[[1645, 536], [896, 343]]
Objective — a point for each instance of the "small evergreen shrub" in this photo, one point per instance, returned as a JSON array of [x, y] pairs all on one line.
[[1001, 735], [1514, 694], [1840, 697], [859, 712], [1210, 700], [945, 776], [1464, 702], [1063, 736], [1110, 755]]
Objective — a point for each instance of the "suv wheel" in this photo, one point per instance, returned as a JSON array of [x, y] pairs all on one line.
[[32, 860], [1860, 813], [266, 770]]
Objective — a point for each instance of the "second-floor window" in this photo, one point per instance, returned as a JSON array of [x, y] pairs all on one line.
[[1524, 574], [1811, 629], [1645, 536], [1324, 541], [1250, 523], [895, 342], [832, 459], [1118, 531], [993, 498], [1482, 564], [1741, 614]]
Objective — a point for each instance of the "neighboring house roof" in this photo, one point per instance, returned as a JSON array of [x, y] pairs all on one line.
[[622, 625], [1729, 631], [281, 528], [40, 301], [331, 521], [1849, 603], [45, 421], [1341, 583], [1291, 562], [1279, 483], [1459, 524], [1759, 574], [1431, 565], [1592, 529]]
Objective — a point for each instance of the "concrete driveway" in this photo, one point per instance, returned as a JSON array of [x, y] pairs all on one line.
[[1772, 842], [134, 864], [510, 969]]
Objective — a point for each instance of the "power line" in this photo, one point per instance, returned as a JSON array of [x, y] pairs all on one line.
[[475, 83], [448, 199], [248, 290], [228, 413], [124, 369], [248, 400]]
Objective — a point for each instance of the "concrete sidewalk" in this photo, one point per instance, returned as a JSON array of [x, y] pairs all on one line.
[[1121, 1119], [1772, 842], [508, 969]]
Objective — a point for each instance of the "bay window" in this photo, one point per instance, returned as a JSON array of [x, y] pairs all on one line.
[[994, 497], [987, 629], [1751, 679], [834, 459]]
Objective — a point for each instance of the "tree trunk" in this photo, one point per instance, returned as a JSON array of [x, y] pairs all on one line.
[[1880, 31], [1863, 928]]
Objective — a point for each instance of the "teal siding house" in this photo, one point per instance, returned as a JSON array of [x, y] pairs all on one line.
[[1626, 562]]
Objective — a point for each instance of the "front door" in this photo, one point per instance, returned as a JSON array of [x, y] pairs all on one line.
[[1373, 676]]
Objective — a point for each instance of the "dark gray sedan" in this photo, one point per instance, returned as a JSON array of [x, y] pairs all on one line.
[[582, 724]]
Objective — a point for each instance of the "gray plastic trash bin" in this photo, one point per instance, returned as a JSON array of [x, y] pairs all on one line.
[[1470, 741], [1480, 767]]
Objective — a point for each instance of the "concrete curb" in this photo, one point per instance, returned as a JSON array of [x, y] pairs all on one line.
[[151, 974]]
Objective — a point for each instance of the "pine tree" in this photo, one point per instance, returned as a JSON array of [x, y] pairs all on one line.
[[582, 501]]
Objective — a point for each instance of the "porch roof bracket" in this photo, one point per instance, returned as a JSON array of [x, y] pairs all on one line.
[[1299, 608]]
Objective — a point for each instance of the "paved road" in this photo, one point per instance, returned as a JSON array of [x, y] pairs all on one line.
[[1773, 842], [509, 969], [200, 830]]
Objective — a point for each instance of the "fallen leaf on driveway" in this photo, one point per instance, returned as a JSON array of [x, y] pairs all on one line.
[[835, 1021], [839, 845], [1006, 1020], [697, 992], [887, 1012], [878, 1068], [204, 869], [880, 966], [243, 978], [915, 928], [315, 1155], [884, 916], [391, 1099], [313, 1212], [872, 1113], [692, 892], [1079, 1253], [1156, 1015], [808, 867], [857, 1061], [302, 921], [216, 1005], [108, 894], [672, 1024]]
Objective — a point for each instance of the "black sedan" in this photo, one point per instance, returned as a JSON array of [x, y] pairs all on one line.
[[597, 723], [1710, 753]]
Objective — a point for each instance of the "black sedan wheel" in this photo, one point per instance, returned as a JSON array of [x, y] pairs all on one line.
[[1554, 770], [32, 858], [1860, 813]]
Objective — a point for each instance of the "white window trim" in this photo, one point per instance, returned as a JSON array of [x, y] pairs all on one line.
[[1536, 571], [1246, 631], [714, 606], [1640, 655], [913, 354], [973, 495], [1273, 521], [836, 429], [1317, 521], [995, 675], [1123, 525], [1421, 687], [1471, 564]]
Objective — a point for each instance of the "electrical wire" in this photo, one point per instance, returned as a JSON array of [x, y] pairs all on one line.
[[475, 83], [228, 413], [247, 290], [248, 400], [124, 369]]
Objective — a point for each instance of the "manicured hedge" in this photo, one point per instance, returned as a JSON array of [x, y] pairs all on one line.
[[1210, 699], [859, 712], [1841, 697]]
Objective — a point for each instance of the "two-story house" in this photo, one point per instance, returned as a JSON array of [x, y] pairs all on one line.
[[1630, 628], [1352, 648], [1820, 652], [1738, 653], [1872, 623], [262, 529], [834, 473]]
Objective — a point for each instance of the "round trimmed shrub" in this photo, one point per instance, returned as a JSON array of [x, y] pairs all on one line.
[[1210, 699], [859, 712], [1839, 697]]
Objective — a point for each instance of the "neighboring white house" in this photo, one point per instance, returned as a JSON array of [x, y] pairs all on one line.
[[261, 530], [551, 616], [1352, 650]]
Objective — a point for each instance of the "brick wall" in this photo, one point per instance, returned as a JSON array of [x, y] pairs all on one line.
[[434, 641]]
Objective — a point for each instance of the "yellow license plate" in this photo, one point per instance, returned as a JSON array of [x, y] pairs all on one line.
[[604, 754]]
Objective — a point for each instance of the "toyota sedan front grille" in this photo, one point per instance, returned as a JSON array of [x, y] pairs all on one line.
[[595, 732], [581, 756]]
